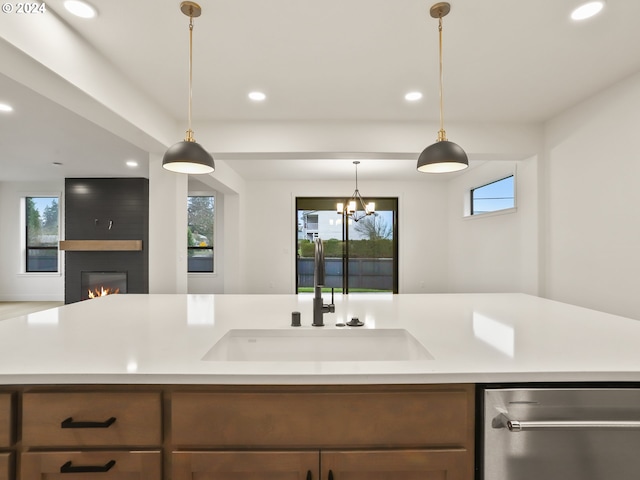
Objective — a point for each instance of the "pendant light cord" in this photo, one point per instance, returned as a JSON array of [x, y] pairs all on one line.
[[190, 131], [441, 134]]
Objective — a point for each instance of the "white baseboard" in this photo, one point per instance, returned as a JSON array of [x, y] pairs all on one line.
[[32, 297]]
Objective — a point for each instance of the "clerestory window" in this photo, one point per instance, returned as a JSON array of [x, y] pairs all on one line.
[[494, 196]]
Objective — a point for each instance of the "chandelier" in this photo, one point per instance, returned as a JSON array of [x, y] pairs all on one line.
[[350, 207]]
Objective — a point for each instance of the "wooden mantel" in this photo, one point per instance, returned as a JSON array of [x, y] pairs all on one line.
[[101, 245]]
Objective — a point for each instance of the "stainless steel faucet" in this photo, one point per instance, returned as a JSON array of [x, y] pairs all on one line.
[[319, 307]]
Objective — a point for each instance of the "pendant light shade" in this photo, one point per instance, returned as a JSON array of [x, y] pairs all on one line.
[[443, 156], [188, 156]]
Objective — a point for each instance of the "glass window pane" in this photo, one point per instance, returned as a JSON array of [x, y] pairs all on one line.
[[200, 233], [498, 195], [42, 220], [324, 224], [371, 253], [359, 258]]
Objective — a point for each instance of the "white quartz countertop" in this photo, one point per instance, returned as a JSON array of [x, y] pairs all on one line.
[[162, 339]]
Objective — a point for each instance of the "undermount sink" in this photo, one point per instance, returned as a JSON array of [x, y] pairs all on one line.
[[317, 345]]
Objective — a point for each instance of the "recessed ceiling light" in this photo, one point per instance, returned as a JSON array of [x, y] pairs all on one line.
[[132, 163], [587, 10], [413, 96], [80, 9], [4, 107], [257, 96]]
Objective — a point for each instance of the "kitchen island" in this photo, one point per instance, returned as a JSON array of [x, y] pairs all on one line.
[[132, 386], [470, 338]]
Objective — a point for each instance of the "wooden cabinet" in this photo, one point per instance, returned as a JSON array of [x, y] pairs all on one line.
[[96, 419], [6, 436], [186, 432], [246, 465], [350, 433], [109, 465], [6, 466], [92, 433], [6, 424], [330, 416], [449, 464], [324, 465]]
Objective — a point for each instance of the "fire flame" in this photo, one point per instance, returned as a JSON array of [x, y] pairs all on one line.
[[102, 292]]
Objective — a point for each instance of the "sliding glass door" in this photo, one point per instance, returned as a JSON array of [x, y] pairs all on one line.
[[360, 256]]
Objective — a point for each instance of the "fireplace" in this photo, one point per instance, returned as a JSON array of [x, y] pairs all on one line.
[[107, 235], [99, 284]]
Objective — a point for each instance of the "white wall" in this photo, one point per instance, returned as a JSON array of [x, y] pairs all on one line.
[[270, 231], [592, 177], [167, 229], [495, 252], [15, 285], [230, 239]]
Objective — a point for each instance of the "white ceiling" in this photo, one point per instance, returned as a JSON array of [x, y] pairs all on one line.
[[504, 60]]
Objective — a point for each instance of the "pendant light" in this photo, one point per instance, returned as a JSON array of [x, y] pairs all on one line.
[[443, 156], [350, 207], [188, 156]]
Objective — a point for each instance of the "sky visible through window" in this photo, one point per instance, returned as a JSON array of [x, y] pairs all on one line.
[[41, 203], [498, 195]]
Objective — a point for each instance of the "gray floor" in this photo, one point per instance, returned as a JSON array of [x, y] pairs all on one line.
[[15, 309]]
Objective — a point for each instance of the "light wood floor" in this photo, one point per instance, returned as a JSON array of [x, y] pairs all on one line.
[[15, 309]]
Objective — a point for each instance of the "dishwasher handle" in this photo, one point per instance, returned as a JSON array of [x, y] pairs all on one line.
[[502, 421]]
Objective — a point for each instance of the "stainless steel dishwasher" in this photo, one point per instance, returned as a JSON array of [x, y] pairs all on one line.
[[586, 433]]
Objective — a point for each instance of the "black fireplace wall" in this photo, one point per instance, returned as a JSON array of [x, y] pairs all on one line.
[[107, 209]]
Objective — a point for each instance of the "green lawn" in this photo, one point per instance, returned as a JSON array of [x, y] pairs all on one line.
[[351, 290]]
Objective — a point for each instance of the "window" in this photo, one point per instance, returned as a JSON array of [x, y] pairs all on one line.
[[493, 197], [200, 209], [42, 233], [359, 256]]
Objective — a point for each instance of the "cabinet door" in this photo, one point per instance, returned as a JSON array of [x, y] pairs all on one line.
[[105, 465], [5, 466], [5, 420], [397, 465], [245, 465]]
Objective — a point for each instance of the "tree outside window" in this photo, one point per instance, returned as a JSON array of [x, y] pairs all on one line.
[[359, 256], [200, 233], [42, 234]]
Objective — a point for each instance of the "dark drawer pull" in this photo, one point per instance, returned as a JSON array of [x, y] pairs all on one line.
[[69, 423], [308, 474], [67, 468], [330, 474]]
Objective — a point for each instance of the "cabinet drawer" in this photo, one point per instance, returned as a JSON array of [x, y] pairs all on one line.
[[442, 417], [106, 465], [436, 464], [6, 427], [91, 419], [243, 465], [5, 466]]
